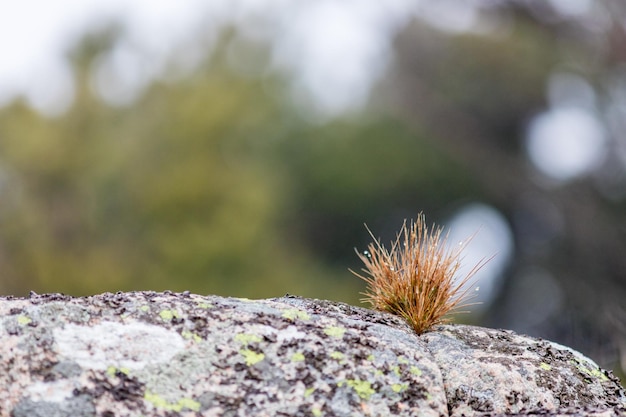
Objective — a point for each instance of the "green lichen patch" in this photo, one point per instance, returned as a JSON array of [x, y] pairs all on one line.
[[362, 388], [180, 405], [168, 315], [297, 357], [415, 370], [294, 313], [191, 336], [247, 338], [335, 331], [203, 305], [589, 370], [113, 371], [337, 355], [252, 357], [545, 366], [399, 387], [23, 320]]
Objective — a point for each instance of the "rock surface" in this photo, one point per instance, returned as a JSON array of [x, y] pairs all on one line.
[[166, 354]]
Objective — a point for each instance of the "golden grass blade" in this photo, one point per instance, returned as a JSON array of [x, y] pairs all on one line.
[[415, 279]]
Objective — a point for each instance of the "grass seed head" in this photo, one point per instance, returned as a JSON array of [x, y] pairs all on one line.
[[416, 277]]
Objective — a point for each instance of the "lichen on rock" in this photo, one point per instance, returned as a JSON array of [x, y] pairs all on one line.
[[149, 354]]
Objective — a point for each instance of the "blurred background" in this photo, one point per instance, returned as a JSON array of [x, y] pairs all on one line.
[[237, 147]]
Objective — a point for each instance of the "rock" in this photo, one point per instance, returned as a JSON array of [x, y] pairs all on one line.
[[157, 354]]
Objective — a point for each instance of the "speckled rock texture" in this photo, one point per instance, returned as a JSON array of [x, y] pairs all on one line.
[[166, 354]]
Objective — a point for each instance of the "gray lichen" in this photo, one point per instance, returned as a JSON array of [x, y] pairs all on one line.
[[148, 354]]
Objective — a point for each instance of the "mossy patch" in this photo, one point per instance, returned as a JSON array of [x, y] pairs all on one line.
[[112, 371], [203, 305], [337, 355], [252, 357], [363, 388], [190, 335], [168, 315], [294, 313], [247, 338], [591, 371], [180, 405], [399, 387], [334, 331]]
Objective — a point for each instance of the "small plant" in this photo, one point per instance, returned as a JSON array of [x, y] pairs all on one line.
[[416, 278]]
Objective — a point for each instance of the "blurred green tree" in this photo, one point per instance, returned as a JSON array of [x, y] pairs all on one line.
[[168, 193], [211, 183]]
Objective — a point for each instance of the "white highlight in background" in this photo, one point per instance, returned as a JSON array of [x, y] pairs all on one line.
[[566, 142], [492, 238]]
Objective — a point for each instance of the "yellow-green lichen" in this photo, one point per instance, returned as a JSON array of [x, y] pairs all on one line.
[[112, 370], [337, 355], [190, 335], [294, 313], [23, 320], [370, 357], [251, 356], [168, 315], [399, 387], [204, 305], [335, 331], [247, 338], [316, 412], [144, 308], [416, 371], [362, 388], [585, 368], [396, 370], [182, 404], [297, 357], [403, 360], [545, 366], [308, 392]]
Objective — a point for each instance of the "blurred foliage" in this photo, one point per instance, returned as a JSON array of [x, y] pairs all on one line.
[[211, 184]]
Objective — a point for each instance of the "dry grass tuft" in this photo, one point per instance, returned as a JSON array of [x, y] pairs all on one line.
[[415, 279]]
